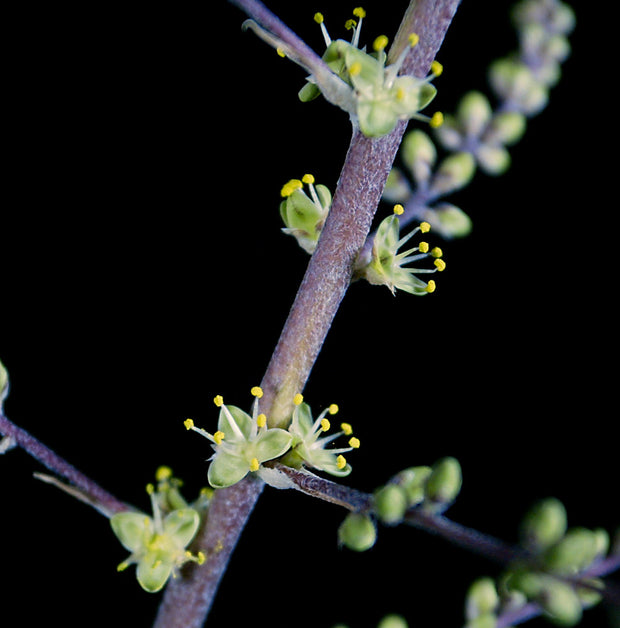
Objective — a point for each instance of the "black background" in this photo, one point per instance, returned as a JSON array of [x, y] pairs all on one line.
[[143, 272]]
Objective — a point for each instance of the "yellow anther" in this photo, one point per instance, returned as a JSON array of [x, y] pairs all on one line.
[[350, 24], [355, 68], [440, 265], [400, 93], [201, 558], [437, 252], [218, 400], [346, 428], [261, 420], [254, 464], [436, 68], [150, 489], [308, 178], [122, 566], [430, 287], [341, 462], [189, 424], [354, 442], [425, 227], [318, 18], [257, 391], [333, 409], [414, 39], [423, 247], [359, 12], [280, 53], [436, 120], [290, 186], [325, 424], [218, 437], [399, 210], [298, 398], [163, 473], [380, 43]]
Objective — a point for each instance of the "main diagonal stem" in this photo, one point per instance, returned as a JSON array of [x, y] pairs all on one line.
[[188, 598]]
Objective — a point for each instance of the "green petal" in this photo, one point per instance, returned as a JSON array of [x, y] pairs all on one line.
[[181, 525], [227, 469], [152, 572], [272, 443], [302, 421], [133, 529], [376, 118], [242, 420]]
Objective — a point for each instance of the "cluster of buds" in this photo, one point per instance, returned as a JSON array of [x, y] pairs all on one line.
[[553, 572], [243, 442], [362, 83], [158, 542]]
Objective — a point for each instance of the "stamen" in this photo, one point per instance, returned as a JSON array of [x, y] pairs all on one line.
[[318, 18], [325, 424], [341, 462], [436, 68], [254, 464], [218, 437], [218, 400], [354, 442], [290, 187], [425, 227], [257, 392], [399, 210], [333, 409], [380, 43], [346, 428], [436, 120], [261, 420], [440, 265], [430, 287], [423, 247]]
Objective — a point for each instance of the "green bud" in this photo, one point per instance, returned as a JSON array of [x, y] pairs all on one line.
[[419, 154], [412, 480], [397, 188], [544, 525], [589, 595], [454, 173], [444, 482], [357, 532], [513, 81], [560, 602], [482, 598], [573, 553], [448, 220], [493, 159], [393, 621], [474, 113], [488, 620], [390, 503], [506, 128]]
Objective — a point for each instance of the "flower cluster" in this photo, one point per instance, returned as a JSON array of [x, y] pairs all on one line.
[[304, 215], [242, 443], [387, 266], [158, 543], [363, 84], [554, 572]]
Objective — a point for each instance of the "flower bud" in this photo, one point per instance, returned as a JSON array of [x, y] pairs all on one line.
[[474, 113], [390, 503], [493, 159], [482, 598], [444, 482], [488, 620], [412, 480], [357, 532], [454, 173], [397, 188], [544, 525], [419, 154], [393, 621], [560, 601], [448, 220], [573, 553], [506, 128]]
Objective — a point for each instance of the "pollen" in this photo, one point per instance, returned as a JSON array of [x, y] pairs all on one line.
[[218, 437], [341, 462], [261, 420], [414, 39], [308, 178], [280, 53], [440, 265], [431, 286], [359, 12], [333, 409], [298, 398], [350, 24], [189, 424], [425, 227], [437, 252], [380, 43], [290, 186], [325, 424], [354, 442], [346, 428], [257, 391], [163, 473], [436, 120], [218, 400], [254, 464], [318, 18], [423, 247], [399, 210], [436, 68]]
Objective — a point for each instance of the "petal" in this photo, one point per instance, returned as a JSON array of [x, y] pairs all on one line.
[[376, 118], [152, 572], [235, 423], [132, 529], [181, 525], [272, 443], [227, 469]]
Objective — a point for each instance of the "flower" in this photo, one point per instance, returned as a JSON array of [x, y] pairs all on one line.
[[241, 443], [387, 267], [308, 449], [361, 83], [304, 215], [158, 543]]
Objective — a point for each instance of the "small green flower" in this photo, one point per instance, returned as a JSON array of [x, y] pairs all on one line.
[[242, 442], [157, 543], [303, 215], [308, 449], [387, 266]]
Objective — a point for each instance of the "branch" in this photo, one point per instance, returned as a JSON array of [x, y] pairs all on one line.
[[368, 162]]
